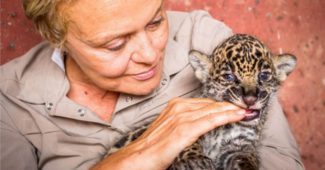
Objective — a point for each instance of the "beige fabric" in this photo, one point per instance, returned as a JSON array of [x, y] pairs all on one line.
[[43, 129]]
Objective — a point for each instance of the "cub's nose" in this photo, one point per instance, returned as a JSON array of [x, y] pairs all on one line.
[[249, 100], [250, 94]]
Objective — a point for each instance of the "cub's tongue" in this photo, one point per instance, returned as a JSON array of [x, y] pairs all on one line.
[[251, 115]]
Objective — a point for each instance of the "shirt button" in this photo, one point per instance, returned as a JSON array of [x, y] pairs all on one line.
[[49, 106], [82, 112], [164, 82], [128, 99]]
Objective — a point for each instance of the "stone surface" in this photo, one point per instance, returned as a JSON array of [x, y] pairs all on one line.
[[294, 26]]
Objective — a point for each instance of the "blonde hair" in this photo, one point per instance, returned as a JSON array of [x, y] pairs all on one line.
[[49, 19]]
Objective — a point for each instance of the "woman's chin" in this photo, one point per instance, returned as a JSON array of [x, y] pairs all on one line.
[[145, 87], [143, 90]]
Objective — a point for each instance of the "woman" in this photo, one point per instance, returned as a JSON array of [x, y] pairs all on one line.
[[116, 65]]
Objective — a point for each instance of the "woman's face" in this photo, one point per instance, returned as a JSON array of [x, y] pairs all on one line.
[[118, 45]]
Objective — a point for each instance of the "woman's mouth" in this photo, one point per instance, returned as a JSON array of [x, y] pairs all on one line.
[[146, 75]]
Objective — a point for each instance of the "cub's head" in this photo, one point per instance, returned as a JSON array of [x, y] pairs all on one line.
[[241, 70]]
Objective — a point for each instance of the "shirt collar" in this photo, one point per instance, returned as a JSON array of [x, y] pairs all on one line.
[[57, 57]]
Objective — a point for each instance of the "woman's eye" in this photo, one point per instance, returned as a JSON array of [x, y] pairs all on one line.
[[155, 23], [264, 76], [229, 77], [116, 45]]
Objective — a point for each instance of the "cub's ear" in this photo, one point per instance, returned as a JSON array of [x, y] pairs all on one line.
[[201, 64], [284, 65]]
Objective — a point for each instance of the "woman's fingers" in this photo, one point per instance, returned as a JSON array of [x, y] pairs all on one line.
[[179, 105], [189, 119], [191, 129], [189, 110], [213, 108], [214, 120], [186, 133]]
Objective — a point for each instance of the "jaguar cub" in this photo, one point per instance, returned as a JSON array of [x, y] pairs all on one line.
[[241, 70]]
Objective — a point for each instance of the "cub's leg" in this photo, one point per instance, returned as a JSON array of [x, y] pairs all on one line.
[[192, 158]]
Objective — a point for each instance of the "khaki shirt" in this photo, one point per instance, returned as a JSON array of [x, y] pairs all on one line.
[[43, 129]]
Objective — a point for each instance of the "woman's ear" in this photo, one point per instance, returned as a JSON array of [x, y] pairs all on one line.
[[284, 65], [201, 64]]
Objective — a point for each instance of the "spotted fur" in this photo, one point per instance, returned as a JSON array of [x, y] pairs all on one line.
[[241, 70]]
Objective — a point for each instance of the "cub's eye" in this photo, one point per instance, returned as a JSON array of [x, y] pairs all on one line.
[[264, 76], [229, 77]]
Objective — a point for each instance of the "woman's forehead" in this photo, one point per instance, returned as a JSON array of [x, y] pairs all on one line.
[[110, 17]]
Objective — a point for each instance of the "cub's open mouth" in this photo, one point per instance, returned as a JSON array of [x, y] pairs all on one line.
[[251, 115]]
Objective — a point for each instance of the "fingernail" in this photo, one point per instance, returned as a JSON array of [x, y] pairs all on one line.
[[241, 112]]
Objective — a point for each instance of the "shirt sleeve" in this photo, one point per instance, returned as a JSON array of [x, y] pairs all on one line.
[[16, 151], [278, 149]]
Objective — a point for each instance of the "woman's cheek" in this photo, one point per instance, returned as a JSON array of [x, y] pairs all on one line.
[[115, 67]]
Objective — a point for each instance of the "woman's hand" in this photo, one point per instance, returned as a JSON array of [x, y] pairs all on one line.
[[180, 124]]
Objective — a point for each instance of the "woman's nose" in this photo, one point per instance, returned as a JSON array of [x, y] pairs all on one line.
[[144, 51]]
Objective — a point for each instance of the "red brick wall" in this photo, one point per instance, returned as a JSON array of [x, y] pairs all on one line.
[[295, 26]]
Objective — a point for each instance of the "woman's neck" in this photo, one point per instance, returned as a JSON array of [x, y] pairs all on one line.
[[86, 93]]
